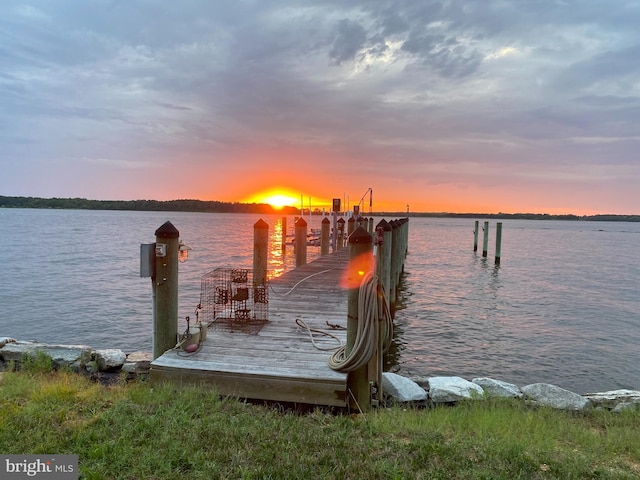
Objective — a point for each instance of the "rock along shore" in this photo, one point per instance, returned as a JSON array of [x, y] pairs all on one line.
[[426, 390], [79, 358]]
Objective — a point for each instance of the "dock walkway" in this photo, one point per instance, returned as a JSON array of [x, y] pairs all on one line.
[[275, 360]]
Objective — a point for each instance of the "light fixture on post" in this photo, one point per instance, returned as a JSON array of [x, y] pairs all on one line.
[[183, 251]]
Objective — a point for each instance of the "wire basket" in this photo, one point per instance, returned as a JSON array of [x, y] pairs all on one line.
[[230, 295]]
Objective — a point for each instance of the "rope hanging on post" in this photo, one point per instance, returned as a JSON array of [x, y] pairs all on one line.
[[367, 333]]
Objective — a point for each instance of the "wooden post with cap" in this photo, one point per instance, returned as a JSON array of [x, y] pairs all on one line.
[[260, 252], [301, 242], [360, 243], [324, 236], [165, 286]]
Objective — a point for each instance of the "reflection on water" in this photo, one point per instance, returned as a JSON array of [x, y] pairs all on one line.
[[277, 244]]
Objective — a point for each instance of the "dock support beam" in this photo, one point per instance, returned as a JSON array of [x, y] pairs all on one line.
[[165, 289], [360, 244]]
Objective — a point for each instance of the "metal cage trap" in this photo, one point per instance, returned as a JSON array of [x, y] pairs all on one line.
[[230, 298]]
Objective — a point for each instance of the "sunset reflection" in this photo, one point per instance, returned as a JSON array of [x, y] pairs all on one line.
[[277, 252]]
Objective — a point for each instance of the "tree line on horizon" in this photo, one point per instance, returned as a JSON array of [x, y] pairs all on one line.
[[214, 206], [183, 205]]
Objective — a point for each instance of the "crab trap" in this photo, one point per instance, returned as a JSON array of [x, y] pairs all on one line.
[[230, 296]]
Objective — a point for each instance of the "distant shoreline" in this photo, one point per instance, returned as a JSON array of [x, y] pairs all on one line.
[[212, 206]]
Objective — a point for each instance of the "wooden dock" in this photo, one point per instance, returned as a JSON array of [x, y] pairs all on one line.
[[275, 360]]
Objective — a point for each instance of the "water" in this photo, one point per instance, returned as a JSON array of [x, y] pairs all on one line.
[[562, 307]]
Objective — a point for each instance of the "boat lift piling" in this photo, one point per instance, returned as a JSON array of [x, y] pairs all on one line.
[[485, 241]]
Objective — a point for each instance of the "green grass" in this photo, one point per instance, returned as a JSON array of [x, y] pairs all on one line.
[[136, 431]]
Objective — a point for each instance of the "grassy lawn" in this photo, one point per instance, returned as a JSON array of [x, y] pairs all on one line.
[[136, 431]]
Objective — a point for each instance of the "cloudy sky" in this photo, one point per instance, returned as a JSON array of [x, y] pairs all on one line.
[[476, 106]]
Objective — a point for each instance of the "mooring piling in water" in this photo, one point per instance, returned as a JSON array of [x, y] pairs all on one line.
[[485, 241], [475, 236], [498, 242]]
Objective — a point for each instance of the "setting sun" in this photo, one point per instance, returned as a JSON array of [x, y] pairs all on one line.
[[277, 198]]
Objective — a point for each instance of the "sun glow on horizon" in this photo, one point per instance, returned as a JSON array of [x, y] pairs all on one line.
[[277, 198], [280, 200]]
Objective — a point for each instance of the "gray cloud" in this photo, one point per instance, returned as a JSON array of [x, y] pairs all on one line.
[[350, 39]]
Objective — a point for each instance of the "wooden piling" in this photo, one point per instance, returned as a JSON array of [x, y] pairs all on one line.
[[498, 242], [383, 261], [393, 269], [485, 241], [360, 243], [165, 289], [384, 257], [404, 237], [260, 252], [324, 236], [475, 236], [301, 242]]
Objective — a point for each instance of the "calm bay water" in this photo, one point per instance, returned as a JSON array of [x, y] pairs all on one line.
[[563, 307]]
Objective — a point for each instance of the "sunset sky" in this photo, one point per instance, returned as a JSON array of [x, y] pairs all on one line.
[[459, 106]]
